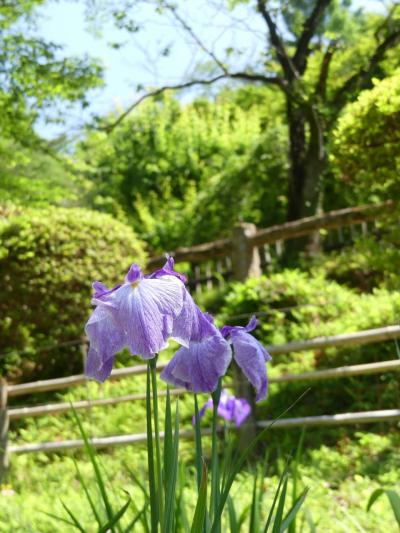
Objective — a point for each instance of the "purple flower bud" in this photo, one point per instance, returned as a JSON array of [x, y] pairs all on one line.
[[250, 355], [229, 407]]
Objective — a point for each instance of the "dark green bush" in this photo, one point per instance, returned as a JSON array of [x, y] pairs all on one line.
[[48, 261], [294, 305]]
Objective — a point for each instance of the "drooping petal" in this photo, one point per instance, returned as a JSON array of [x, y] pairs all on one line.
[[106, 339], [251, 356], [199, 367], [96, 368], [146, 313]]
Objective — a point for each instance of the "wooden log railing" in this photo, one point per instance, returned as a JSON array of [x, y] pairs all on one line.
[[365, 417], [356, 338], [250, 238], [318, 375], [362, 337]]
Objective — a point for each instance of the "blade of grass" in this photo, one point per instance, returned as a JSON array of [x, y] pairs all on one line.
[[73, 518], [87, 494], [295, 475], [254, 526], [116, 518], [136, 519], [394, 500], [278, 490], [58, 518], [291, 515], [279, 511], [92, 456], [233, 523], [201, 506], [238, 465]]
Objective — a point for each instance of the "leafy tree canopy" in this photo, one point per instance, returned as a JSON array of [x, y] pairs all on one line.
[[35, 74], [366, 143]]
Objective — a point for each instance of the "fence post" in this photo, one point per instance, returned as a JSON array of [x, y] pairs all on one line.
[[246, 263], [4, 422], [245, 257]]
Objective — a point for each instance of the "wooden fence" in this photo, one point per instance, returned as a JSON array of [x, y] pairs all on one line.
[[245, 254], [9, 414], [248, 251]]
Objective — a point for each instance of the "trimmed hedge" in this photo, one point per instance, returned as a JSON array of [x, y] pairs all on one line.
[[48, 261]]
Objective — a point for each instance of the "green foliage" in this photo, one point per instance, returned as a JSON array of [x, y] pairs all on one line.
[[365, 144], [371, 262], [171, 167], [48, 260], [293, 305], [34, 178], [35, 73]]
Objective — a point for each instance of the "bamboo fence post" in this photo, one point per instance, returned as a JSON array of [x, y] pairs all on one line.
[[4, 423]]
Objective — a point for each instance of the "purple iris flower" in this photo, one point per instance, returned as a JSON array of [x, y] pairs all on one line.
[[250, 355], [199, 366], [229, 407], [139, 314]]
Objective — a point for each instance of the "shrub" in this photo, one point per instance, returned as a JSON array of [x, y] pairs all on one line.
[[294, 305], [48, 260]]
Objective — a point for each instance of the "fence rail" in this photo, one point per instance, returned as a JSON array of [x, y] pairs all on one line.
[[365, 417], [355, 338], [282, 232], [318, 375], [347, 339]]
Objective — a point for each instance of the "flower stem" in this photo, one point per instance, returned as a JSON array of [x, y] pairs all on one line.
[[214, 499], [153, 363], [199, 450], [150, 458]]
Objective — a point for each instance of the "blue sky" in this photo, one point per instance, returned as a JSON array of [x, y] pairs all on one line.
[[138, 61]]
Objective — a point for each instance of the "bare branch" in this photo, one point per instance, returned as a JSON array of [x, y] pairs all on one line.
[[195, 37], [274, 80], [310, 26], [362, 78], [283, 58]]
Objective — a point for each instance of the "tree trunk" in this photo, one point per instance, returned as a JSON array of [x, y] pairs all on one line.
[[307, 164], [307, 161]]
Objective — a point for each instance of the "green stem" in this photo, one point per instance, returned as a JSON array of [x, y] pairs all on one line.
[[153, 363], [214, 503], [150, 458], [199, 449]]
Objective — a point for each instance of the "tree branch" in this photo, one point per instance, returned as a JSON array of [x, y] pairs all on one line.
[[274, 80], [363, 77], [283, 58], [310, 26], [320, 89], [195, 37]]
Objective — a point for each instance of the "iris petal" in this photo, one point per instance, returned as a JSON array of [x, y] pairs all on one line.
[[199, 367], [145, 313], [251, 356], [106, 339]]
